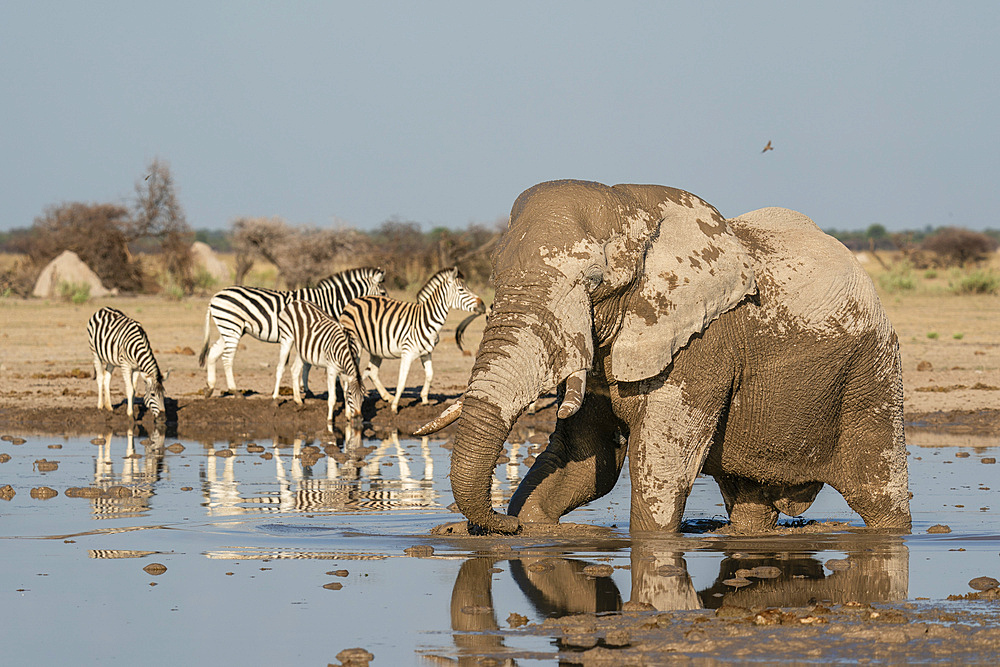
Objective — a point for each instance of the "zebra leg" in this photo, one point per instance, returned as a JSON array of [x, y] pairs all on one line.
[[107, 387], [286, 347], [129, 389], [331, 390], [425, 359], [296, 369], [372, 372], [305, 377], [213, 356], [99, 376], [404, 370]]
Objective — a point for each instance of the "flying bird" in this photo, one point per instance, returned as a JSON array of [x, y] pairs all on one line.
[[769, 147]]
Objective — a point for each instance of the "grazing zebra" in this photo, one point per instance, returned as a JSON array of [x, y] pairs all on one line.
[[391, 329], [253, 310], [118, 340], [319, 340]]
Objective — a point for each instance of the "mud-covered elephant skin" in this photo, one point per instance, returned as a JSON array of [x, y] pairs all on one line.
[[753, 349]]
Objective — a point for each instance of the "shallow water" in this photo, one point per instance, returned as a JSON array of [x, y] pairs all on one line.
[[252, 542]]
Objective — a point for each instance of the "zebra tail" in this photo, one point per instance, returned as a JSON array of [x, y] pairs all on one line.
[[208, 333]]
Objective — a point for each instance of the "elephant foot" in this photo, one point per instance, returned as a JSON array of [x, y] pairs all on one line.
[[749, 517]]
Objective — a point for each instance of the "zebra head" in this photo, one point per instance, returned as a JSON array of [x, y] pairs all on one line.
[[354, 394], [154, 396], [457, 293]]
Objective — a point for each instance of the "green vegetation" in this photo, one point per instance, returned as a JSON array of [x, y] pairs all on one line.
[[978, 281], [77, 293]]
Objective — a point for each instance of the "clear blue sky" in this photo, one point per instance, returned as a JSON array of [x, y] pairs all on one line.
[[443, 112]]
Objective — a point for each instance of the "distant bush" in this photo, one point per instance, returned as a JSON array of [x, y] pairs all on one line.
[[982, 281], [898, 279], [954, 246]]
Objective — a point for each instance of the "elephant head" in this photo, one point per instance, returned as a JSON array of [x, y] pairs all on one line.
[[625, 274]]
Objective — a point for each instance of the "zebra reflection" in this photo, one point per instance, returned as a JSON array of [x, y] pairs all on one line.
[[127, 493], [345, 479]]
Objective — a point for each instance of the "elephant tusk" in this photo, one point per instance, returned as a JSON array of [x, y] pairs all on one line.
[[444, 419], [576, 387]]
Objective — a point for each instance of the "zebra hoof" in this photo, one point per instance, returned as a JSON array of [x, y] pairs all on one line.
[[209, 391]]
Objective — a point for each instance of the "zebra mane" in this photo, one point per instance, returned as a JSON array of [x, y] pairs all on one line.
[[439, 278]]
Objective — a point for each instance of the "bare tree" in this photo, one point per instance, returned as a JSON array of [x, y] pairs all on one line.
[[158, 215]]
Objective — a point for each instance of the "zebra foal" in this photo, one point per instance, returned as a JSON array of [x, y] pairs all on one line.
[[391, 329], [319, 340], [116, 340], [241, 310]]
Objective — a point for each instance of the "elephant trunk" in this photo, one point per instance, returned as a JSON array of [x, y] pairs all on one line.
[[481, 435], [526, 350]]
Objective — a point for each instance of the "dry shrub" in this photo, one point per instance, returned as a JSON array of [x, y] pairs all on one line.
[[955, 246], [303, 255], [95, 232]]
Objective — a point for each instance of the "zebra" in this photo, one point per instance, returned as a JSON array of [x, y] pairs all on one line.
[[391, 329], [241, 310], [319, 340], [116, 340]]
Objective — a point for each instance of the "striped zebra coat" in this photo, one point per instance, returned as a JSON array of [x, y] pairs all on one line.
[[319, 340], [391, 329], [118, 341], [241, 310]]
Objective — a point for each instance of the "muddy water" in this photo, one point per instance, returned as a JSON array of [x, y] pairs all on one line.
[[155, 551]]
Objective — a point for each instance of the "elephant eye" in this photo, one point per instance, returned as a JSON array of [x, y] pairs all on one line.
[[593, 276]]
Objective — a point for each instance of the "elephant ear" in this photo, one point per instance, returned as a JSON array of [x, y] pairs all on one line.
[[694, 270]]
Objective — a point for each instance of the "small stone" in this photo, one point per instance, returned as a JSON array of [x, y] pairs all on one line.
[[618, 638], [939, 528], [55, 446], [961, 455], [516, 620], [632, 605], [42, 465], [224, 453], [598, 570], [333, 586], [338, 573], [838, 564], [737, 582], [732, 611], [7, 492], [187, 488], [580, 641], [419, 551], [988, 460], [254, 448], [175, 448], [43, 493], [984, 583], [765, 572], [17, 441], [925, 366], [155, 569], [355, 657], [4, 457], [98, 441]]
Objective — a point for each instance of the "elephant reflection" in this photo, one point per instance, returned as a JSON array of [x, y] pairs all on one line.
[[874, 572], [555, 587]]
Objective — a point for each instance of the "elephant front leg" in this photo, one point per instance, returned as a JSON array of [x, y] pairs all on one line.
[[666, 452], [581, 463]]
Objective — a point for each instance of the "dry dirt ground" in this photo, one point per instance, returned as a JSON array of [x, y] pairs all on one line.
[[950, 349]]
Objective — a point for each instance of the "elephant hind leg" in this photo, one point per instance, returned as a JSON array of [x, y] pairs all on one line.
[[754, 506], [747, 503]]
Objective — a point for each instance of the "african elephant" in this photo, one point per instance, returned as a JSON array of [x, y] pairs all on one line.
[[753, 349]]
